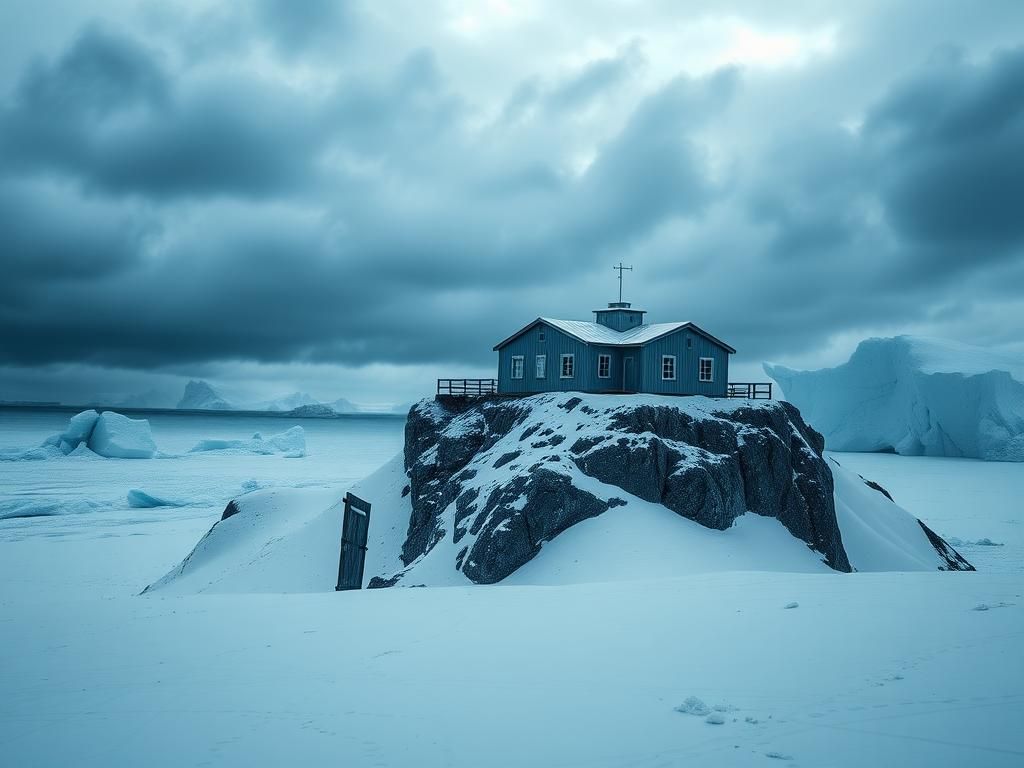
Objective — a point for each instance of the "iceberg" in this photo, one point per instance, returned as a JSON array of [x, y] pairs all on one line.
[[915, 397], [118, 437], [90, 433]]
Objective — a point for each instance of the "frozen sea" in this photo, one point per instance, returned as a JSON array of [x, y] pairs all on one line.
[[86, 498], [921, 669]]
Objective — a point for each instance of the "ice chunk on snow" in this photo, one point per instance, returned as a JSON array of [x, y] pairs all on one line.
[[292, 443], [694, 706], [915, 396], [715, 718], [143, 500], [118, 437], [79, 428]]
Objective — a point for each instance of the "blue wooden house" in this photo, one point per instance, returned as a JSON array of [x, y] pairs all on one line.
[[618, 352]]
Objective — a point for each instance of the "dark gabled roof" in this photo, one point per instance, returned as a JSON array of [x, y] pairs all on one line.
[[595, 333]]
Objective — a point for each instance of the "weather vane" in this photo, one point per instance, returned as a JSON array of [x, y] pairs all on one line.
[[621, 270]]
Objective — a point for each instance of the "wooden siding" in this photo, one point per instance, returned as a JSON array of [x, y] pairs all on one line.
[[554, 346], [687, 361], [647, 364]]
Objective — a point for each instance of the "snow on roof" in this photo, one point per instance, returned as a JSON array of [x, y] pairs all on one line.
[[595, 333]]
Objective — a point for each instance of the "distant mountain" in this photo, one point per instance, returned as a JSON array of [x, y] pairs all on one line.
[[200, 396], [341, 405], [286, 403]]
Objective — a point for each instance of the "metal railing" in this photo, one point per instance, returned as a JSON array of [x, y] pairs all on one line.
[[752, 390], [467, 387]]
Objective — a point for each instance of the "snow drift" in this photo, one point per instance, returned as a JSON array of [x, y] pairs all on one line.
[[287, 540], [916, 397]]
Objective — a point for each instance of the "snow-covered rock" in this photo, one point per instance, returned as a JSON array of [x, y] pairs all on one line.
[[200, 396], [291, 442], [118, 437], [459, 507], [502, 477], [313, 411], [916, 397]]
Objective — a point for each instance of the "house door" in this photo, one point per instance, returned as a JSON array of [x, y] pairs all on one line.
[[628, 374]]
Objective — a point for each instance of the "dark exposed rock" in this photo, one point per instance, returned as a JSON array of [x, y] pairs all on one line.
[[505, 458], [230, 510], [872, 484], [954, 561], [710, 464]]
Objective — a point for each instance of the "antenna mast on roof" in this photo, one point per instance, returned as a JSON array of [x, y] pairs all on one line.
[[621, 270]]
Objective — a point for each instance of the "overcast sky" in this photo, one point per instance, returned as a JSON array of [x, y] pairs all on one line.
[[352, 199]]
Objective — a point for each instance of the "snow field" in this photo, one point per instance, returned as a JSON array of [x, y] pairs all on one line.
[[872, 669]]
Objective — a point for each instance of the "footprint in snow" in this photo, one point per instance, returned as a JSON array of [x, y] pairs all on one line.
[[788, 606], [778, 756]]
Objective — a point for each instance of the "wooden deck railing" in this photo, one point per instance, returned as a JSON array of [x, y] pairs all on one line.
[[467, 387], [753, 390]]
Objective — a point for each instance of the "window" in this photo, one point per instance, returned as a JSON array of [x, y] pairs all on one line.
[[689, 343], [706, 371], [542, 366], [517, 366], [604, 366], [568, 366], [668, 367], [541, 335]]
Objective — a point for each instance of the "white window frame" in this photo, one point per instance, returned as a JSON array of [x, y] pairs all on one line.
[[571, 358], [607, 369], [664, 359], [711, 370], [521, 360], [540, 366]]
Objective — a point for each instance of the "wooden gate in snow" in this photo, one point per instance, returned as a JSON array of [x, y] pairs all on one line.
[[354, 528]]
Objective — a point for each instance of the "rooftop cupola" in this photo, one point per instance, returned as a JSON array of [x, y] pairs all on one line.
[[620, 315]]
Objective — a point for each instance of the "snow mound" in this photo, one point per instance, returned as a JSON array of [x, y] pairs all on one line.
[[916, 397], [200, 396], [291, 443], [142, 500], [878, 534], [118, 437], [287, 540]]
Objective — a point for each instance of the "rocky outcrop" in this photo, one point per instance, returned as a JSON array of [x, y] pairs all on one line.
[[501, 477]]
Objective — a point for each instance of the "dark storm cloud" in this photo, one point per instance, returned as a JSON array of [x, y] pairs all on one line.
[[162, 211], [341, 281], [949, 152], [108, 112]]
